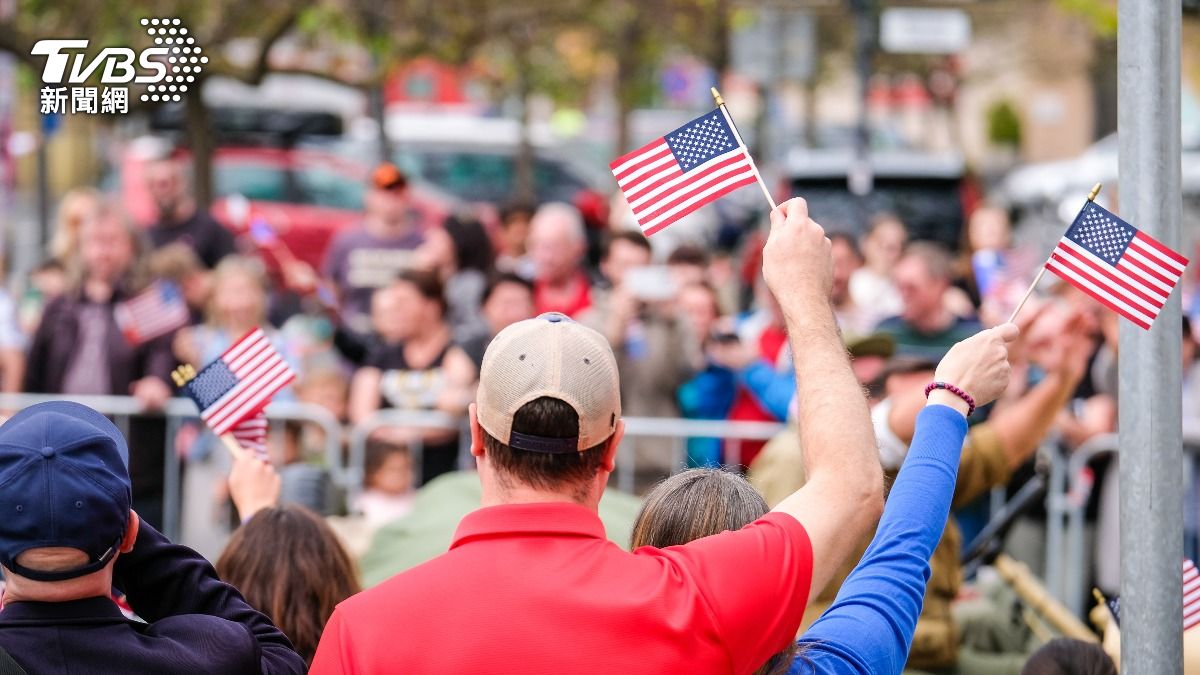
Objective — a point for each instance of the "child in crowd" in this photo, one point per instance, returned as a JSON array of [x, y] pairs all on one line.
[[388, 483]]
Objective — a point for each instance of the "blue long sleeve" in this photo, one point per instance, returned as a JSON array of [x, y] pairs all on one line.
[[772, 389], [869, 627]]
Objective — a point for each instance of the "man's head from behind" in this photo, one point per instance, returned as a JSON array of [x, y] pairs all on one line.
[[546, 424], [65, 499]]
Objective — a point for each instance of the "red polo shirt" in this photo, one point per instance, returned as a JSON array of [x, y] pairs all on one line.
[[537, 588]]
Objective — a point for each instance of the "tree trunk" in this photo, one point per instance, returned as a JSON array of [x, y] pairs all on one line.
[[379, 114], [523, 184], [198, 124], [627, 82]]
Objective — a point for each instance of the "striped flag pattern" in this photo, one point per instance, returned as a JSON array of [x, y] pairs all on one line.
[[1122, 267], [1191, 595], [240, 383], [672, 176], [251, 434], [156, 311]]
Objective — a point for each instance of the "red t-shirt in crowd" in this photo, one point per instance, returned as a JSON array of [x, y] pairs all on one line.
[[746, 408], [537, 588], [581, 300]]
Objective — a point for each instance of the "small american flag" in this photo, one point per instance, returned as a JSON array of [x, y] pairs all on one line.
[[156, 311], [1191, 595], [240, 383], [682, 171], [1123, 268], [251, 434]]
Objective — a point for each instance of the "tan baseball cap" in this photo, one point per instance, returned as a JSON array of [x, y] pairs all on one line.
[[549, 356]]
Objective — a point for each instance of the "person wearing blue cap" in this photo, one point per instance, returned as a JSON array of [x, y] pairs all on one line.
[[68, 537]]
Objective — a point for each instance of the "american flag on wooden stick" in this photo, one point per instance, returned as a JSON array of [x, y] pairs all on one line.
[[1122, 267], [239, 384], [672, 176], [156, 311]]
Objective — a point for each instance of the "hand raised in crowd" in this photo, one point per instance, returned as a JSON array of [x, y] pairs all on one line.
[[797, 264], [253, 485], [732, 355], [978, 365], [151, 392], [1066, 345]]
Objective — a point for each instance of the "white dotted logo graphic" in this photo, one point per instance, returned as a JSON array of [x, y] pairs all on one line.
[[184, 59]]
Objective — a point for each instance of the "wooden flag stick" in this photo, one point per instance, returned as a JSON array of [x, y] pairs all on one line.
[[231, 444], [1091, 198], [738, 137]]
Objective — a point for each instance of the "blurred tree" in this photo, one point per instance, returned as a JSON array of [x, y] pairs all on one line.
[[215, 24], [1003, 125]]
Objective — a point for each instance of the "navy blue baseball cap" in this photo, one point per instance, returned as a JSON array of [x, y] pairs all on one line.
[[64, 482]]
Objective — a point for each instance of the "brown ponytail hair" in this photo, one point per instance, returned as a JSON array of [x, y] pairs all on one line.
[[290, 566]]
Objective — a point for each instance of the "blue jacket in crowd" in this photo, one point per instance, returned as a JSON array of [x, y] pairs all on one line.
[[196, 623]]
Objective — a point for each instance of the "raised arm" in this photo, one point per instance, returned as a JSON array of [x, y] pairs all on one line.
[[843, 497], [870, 625], [162, 579]]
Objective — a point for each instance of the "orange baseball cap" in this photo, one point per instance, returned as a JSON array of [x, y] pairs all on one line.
[[387, 176]]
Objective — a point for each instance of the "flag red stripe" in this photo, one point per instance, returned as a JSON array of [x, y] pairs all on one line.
[[1104, 283], [257, 398], [640, 190], [235, 407], [706, 180], [1147, 270], [1065, 275], [733, 159], [661, 153], [250, 355], [1116, 277], [681, 180], [1159, 265], [1163, 249], [634, 153], [749, 180]]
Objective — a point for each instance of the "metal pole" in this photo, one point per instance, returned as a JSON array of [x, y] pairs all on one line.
[[1148, 119], [861, 178]]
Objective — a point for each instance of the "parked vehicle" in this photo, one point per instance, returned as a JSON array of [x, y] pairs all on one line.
[[930, 193], [475, 160], [305, 195]]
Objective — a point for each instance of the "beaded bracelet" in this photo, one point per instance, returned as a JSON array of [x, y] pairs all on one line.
[[953, 390]]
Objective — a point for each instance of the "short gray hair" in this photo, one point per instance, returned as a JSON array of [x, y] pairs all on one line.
[[565, 213]]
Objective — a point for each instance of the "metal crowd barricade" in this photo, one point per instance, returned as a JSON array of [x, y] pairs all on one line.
[[680, 430], [352, 481], [1068, 499], [176, 412]]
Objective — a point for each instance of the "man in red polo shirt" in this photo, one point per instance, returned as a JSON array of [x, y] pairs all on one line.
[[531, 585]]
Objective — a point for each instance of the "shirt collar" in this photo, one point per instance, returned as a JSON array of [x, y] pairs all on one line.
[[516, 520], [98, 609]]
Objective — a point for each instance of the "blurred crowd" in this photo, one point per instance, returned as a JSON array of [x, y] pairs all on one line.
[[400, 312]]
